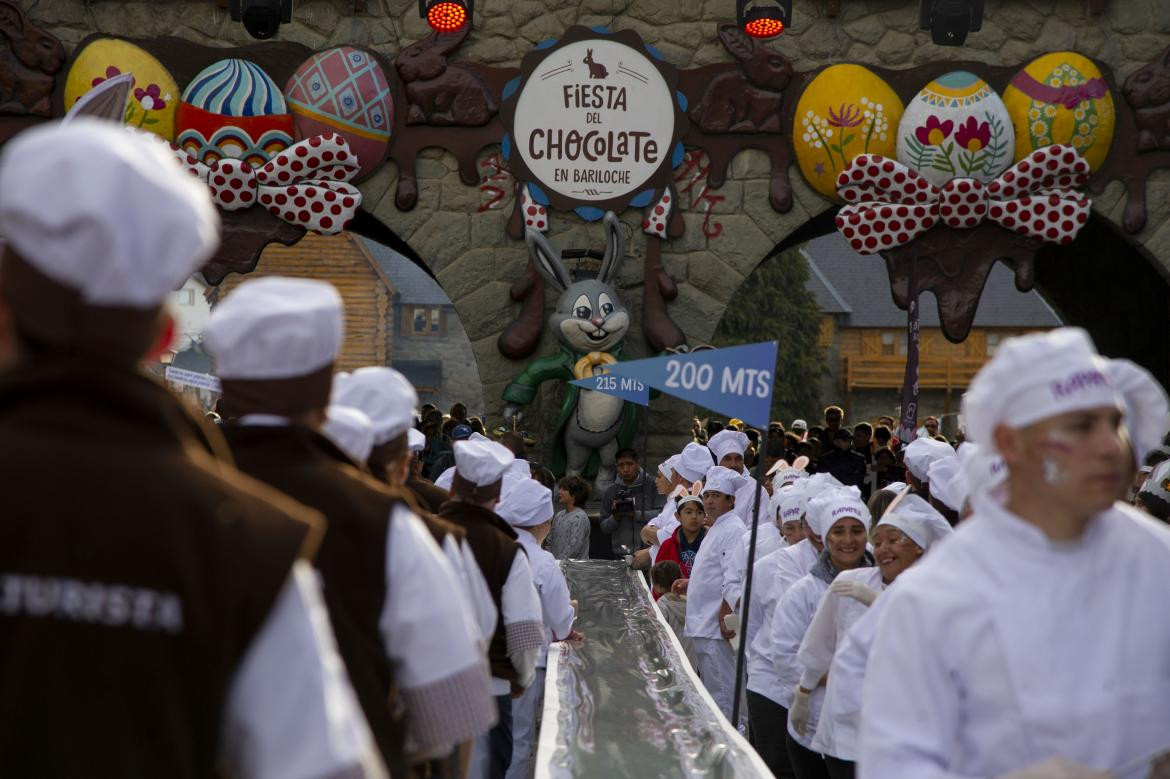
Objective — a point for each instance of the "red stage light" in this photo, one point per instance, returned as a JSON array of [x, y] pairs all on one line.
[[447, 16], [764, 27]]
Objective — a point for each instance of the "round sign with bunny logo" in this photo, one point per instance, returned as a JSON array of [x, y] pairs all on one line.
[[594, 122]]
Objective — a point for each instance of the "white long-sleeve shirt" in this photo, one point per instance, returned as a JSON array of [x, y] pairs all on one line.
[[715, 577], [1003, 648], [523, 624], [794, 613], [556, 609], [277, 730], [665, 523], [838, 731], [745, 498], [833, 617], [431, 642], [785, 567]]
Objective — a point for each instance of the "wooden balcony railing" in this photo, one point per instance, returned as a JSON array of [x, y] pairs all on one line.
[[945, 373]]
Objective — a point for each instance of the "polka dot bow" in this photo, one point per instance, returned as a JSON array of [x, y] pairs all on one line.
[[889, 205], [305, 185]]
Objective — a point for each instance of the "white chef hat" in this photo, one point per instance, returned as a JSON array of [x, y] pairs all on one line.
[[446, 478], [106, 212], [921, 453], [820, 482], [415, 440], [1036, 377], [351, 430], [274, 341], [384, 394], [895, 486], [790, 504], [516, 470], [477, 436], [787, 477], [693, 462], [666, 467], [98, 221], [831, 506], [918, 520], [479, 469], [525, 503], [948, 482], [727, 441], [725, 480], [1147, 414], [982, 468]]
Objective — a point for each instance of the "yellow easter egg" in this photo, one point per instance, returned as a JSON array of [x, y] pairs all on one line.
[[845, 111], [154, 96], [1062, 97]]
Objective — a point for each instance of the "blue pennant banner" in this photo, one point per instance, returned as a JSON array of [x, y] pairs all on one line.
[[736, 381], [617, 386]]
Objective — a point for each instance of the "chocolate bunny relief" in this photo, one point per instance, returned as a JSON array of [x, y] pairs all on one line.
[[1148, 93], [440, 94], [747, 100], [591, 324], [28, 65]]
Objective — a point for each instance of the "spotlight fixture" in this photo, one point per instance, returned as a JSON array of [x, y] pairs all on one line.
[[261, 18], [764, 21], [949, 21], [446, 15]]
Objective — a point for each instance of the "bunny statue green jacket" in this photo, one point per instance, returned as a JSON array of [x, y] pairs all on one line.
[[522, 391]]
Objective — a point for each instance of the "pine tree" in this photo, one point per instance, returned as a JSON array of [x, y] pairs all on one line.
[[773, 304]]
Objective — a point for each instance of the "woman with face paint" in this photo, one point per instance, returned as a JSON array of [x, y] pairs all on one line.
[[899, 541], [1032, 643], [842, 521]]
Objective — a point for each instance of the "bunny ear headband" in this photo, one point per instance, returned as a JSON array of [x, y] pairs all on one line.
[[693, 495], [799, 464]]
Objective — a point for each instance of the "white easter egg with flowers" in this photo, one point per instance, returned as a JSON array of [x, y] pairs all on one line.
[[956, 127]]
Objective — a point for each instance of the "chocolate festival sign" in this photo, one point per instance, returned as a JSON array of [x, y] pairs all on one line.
[[594, 122]]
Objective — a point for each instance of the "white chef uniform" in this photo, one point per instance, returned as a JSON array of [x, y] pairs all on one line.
[[1004, 648], [715, 579], [526, 503]]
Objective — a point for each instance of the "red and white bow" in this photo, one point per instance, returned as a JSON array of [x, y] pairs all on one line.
[[889, 204], [305, 185]]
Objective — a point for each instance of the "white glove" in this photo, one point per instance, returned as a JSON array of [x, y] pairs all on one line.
[[798, 712], [847, 588], [1057, 768]]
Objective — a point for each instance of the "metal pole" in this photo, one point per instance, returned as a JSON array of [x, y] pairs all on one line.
[[747, 591]]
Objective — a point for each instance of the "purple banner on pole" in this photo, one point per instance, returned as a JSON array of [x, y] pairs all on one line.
[[909, 421]]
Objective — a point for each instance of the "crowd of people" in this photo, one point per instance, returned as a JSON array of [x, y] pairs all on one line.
[[331, 581]]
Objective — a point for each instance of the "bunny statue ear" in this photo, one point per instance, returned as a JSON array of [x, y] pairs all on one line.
[[615, 249], [105, 101], [547, 260], [738, 43]]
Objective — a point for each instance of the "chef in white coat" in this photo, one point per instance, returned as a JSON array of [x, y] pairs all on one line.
[[904, 533], [388, 400], [728, 447], [527, 506], [714, 588], [1032, 643], [842, 520], [669, 477], [774, 573], [918, 456]]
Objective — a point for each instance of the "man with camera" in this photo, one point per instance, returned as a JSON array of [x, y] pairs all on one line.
[[628, 504]]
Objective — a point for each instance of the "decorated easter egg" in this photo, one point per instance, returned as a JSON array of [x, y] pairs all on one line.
[[956, 127], [154, 96], [233, 109], [846, 111], [1061, 98], [344, 91]]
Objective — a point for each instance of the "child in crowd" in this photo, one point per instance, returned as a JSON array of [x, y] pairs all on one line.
[[683, 545], [673, 606]]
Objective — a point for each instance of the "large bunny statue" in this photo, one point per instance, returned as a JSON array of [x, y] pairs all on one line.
[[591, 323]]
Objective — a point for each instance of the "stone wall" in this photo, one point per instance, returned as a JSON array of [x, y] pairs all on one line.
[[469, 252]]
